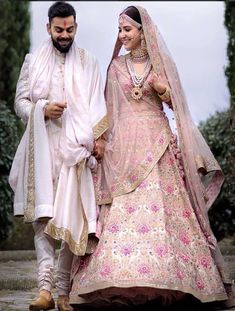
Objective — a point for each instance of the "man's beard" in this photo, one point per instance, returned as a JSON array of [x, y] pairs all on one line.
[[60, 48]]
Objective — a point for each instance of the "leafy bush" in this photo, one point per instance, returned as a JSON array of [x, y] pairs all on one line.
[[9, 139], [217, 132], [14, 44]]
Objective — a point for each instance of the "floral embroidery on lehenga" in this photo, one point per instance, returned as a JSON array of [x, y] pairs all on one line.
[[151, 238]]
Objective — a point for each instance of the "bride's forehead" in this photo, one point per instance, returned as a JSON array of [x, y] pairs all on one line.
[[124, 23]]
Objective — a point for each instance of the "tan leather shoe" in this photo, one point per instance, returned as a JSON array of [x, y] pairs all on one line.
[[42, 304], [63, 304]]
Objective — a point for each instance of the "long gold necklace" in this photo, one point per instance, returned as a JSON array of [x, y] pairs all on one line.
[[136, 92]]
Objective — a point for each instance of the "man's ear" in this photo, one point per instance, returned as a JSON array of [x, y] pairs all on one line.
[[49, 28], [76, 26]]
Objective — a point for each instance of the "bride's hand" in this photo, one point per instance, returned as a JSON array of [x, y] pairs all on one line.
[[99, 149], [157, 82]]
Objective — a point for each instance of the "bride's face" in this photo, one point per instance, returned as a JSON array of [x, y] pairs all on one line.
[[129, 35]]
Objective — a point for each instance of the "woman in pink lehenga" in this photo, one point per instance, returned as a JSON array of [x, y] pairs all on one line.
[[155, 239]]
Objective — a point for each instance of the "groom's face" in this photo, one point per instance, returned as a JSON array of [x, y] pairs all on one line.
[[62, 31]]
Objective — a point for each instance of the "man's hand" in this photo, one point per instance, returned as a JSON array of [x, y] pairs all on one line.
[[54, 110], [99, 148]]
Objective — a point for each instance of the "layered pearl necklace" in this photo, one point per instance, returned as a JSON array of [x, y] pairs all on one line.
[[137, 80]]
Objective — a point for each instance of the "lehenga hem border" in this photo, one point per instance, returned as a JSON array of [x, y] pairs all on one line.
[[186, 290]]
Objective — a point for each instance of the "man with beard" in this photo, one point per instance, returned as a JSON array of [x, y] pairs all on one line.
[[59, 96]]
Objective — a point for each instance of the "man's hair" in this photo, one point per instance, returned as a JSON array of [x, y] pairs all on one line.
[[61, 9]]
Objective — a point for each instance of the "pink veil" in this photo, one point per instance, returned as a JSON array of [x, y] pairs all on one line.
[[203, 174]]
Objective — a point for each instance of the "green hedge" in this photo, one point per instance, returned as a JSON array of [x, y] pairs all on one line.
[[217, 132], [9, 139]]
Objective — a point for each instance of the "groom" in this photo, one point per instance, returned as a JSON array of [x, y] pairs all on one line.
[[59, 96]]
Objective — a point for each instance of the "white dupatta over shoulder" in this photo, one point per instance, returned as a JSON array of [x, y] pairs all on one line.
[[72, 206]]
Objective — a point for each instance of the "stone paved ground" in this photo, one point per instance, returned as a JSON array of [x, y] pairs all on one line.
[[18, 282]]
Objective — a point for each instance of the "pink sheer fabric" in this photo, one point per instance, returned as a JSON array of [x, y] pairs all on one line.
[[126, 166]]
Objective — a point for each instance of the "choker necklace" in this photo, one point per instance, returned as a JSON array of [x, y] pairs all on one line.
[[139, 55], [136, 92]]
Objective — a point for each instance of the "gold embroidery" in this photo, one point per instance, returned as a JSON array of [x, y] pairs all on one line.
[[84, 235], [100, 127], [200, 164], [30, 206], [82, 56], [64, 234]]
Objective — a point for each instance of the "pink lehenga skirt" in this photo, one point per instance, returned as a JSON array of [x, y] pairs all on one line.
[[151, 247]]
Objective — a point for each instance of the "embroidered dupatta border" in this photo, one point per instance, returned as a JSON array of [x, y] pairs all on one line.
[[143, 171], [29, 212], [100, 127]]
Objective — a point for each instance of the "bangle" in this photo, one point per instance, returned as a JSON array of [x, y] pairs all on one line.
[[165, 96], [160, 94]]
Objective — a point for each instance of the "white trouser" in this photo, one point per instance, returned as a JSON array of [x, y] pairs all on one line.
[[45, 250]]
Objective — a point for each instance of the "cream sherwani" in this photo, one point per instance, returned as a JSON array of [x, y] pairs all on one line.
[[51, 171]]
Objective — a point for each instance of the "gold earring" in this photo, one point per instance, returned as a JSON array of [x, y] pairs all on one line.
[[143, 42]]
